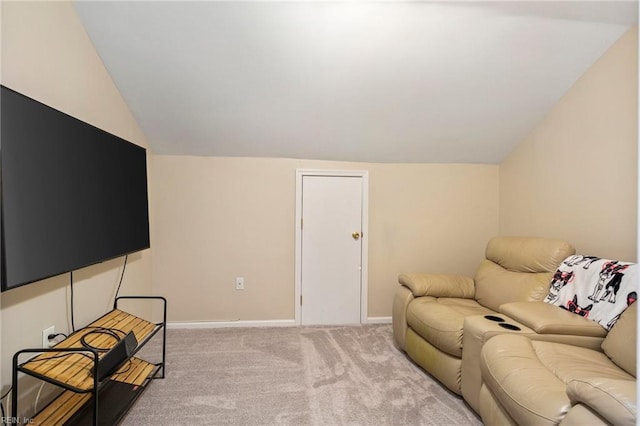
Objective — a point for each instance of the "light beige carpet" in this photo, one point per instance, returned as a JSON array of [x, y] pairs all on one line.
[[294, 376]]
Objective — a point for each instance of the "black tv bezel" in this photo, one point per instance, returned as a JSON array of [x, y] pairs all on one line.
[[3, 273]]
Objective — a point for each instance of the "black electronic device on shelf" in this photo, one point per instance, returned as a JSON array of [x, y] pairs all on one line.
[[116, 356]]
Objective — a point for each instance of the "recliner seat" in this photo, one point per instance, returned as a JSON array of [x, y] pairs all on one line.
[[549, 383]]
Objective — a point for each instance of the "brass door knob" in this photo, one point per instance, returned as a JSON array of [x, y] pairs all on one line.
[[355, 235]]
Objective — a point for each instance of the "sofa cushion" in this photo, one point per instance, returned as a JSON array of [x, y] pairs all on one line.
[[581, 415], [620, 343], [496, 285], [518, 269], [439, 321], [544, 318], [438, 285], [613, 399], [520, 383], [570, 362], [529, 378], [527, 254]]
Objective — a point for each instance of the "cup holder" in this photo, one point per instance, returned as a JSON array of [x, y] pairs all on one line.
[[494, 318], [509, 326]]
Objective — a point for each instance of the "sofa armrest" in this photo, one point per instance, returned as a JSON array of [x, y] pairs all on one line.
[[613, 399], [438, 285], [545, 318]]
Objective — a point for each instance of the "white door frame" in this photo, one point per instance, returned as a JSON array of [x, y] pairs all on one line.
[[300, 173]]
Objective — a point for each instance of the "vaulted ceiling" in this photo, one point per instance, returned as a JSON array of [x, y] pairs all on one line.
[[370, 81]]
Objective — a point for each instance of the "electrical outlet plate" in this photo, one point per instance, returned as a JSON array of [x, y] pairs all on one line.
[[45, 336], [239, 283]]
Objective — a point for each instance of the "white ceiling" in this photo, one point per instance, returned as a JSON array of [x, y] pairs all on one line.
[[365, 81]]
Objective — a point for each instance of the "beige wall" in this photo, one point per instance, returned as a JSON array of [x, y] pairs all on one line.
[[47, 55], [575, 176], [218, 218]]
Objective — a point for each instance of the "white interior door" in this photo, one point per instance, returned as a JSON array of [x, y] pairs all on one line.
[[331, 249]]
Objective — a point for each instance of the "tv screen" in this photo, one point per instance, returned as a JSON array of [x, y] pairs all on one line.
[[72, 195]]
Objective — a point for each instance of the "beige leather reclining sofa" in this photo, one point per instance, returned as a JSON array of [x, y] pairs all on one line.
[[515, 359], [443, 321]]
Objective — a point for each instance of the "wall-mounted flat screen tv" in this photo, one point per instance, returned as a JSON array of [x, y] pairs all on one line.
[[72, 195]]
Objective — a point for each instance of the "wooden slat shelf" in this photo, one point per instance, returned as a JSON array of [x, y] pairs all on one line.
[[136, 372], [71, 364], [61, 409], [73, 369]]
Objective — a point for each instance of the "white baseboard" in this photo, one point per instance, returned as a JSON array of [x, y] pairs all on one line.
[[264, 323], [379, 320], [231, 323]]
